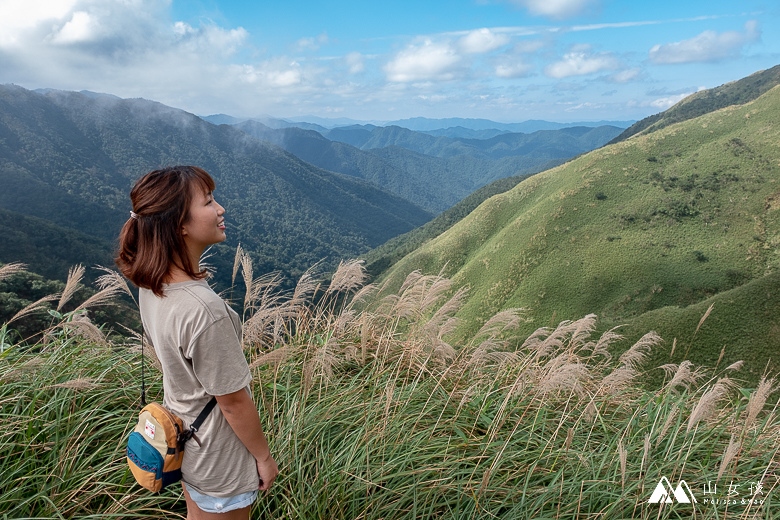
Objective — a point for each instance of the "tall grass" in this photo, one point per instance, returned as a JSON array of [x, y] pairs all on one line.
[[372, 414]]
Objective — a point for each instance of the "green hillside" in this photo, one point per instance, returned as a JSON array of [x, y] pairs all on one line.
[[381, 258], [70, 159], [659, 222], [49, 249], [732, 93]]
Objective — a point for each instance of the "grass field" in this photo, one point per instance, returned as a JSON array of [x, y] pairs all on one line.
[[373, 414]]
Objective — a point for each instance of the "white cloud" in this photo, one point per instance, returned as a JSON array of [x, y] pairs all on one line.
[[272, 73], [513, 69], [557, 9], [706, 47], [17, 18], [585, 106], [480, 41], [312, 44], [625, 76], [579, 63], [80, 28], [428, 61], [666, 102], [355, 62]]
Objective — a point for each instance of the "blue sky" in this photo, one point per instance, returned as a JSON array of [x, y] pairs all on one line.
[[506, 60]]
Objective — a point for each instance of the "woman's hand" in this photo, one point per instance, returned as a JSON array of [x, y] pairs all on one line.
[[267, 470]]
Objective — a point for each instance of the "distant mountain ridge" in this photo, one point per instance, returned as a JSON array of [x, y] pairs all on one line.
[[419, 124], [433, 172]]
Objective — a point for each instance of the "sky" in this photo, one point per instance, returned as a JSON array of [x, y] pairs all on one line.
[[504, 60]]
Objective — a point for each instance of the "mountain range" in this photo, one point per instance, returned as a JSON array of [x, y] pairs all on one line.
[[70, 159], [434, 172]]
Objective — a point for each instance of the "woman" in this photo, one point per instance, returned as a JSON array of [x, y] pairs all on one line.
[[197, 338]]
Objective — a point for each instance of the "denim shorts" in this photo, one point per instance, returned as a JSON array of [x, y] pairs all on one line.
[[210, 504]]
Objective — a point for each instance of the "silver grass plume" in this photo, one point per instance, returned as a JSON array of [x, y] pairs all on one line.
[[349, 276], [11, 269], [82, 326], [236, 263], [36, 306], [728, 455], [273, 357], [623, 456], [564, 377], [600, 348], [104, 296], [707, 405], [583, 328], [681, 375], [114, 279], [757, 401], [639, 350], [645, 453], [490, 342], [77, 384], [73, 284]]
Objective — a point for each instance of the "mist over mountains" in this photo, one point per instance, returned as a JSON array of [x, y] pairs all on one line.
[[71, 159]]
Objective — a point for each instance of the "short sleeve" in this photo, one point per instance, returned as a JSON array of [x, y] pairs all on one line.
[[218, 360]]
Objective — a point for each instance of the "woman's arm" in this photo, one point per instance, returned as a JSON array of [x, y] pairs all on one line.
[[241, 414]]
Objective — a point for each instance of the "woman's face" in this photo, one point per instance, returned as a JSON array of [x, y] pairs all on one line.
[[206, 224]]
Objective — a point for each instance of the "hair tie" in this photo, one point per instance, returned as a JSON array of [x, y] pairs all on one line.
[[133, 215]]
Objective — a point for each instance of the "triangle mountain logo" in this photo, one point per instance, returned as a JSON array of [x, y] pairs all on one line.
[[663, 493]]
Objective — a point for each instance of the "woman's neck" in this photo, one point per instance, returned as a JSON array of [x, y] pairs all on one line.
[[177, 274]]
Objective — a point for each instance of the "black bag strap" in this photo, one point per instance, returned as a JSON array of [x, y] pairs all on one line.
[[143, 379], [203, 414]]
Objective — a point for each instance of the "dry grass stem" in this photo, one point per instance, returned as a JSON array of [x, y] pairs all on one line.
[[683, 375], [757, 401], [703, 318], [34, 307], [75, 275], [728, 455], [11, 269], [707, 405], [77, 384], [114, 279], [236, 263]]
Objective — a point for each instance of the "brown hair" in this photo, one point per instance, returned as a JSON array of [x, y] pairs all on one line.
[[151, 242]]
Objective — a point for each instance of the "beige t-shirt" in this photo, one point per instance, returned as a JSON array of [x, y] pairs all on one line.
[[197, 338]]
